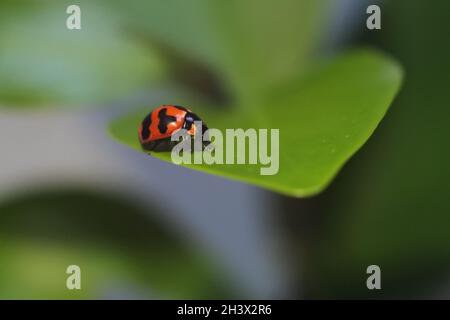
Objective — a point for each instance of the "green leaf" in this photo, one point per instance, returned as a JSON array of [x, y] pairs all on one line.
[[323, 119], [43, 63]]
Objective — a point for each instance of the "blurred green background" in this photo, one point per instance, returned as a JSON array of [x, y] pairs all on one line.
[[69, 196]]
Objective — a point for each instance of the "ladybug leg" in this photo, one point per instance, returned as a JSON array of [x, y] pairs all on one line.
[[156, 145], [149, 146], [164, 145], [160, 145]]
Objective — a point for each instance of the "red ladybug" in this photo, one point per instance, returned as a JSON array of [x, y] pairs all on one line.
[[158, 126]]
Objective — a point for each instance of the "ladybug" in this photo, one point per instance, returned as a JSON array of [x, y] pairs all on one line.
[[158, 126]]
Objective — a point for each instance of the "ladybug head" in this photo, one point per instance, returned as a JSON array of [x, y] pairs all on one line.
[[189, 123]]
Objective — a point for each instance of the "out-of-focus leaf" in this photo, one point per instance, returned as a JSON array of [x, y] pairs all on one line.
[[119, 247], [323, 120], [253, 44], [43, 63]]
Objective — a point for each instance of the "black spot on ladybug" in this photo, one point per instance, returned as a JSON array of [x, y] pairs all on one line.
[[146, 126], [164, 120]]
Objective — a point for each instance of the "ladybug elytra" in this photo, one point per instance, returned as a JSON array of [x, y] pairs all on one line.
[[158, 126]]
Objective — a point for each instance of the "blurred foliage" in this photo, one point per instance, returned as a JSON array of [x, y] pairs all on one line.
[[318, 132], [117, 246], [251, 45], [390, 205], [124, 46], [43, 63]]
